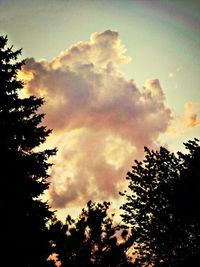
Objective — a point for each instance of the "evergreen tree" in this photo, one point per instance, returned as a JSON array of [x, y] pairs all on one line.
[[91, 240], [163, 207], [24, 234]]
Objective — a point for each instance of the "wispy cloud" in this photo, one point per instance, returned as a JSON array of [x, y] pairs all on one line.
[[172, 74], [101, 120], [187, 121]]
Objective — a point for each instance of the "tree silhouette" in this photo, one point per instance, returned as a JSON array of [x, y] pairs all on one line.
[[24, 234], [91, 240], [163, 207]]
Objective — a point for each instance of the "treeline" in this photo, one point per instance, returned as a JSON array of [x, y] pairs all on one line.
[[160, 215]]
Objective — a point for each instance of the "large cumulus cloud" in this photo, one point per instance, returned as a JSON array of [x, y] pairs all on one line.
[[101, 120]]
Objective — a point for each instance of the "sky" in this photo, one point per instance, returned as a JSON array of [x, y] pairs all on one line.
[[116, 76]]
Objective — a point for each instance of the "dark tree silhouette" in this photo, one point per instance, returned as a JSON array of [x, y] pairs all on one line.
[[91, 240], [24, 234], [163, 207]]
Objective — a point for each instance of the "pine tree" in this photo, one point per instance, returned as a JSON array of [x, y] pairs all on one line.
[[92, 239], [24, 234], [163, 207]]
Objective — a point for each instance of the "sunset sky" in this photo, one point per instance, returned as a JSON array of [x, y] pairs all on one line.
[[117, 75]]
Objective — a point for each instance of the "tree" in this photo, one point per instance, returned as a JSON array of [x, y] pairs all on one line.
[[24, 234], [163, 207], [91, 240]]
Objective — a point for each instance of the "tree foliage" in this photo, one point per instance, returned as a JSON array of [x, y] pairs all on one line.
[[24, 232], [163, 207], [91, 240]]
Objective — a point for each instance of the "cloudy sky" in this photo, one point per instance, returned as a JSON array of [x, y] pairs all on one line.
[[116, 75]]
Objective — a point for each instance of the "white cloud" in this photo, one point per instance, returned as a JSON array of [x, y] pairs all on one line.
[[187, 121], [171, 75], [101, 121]]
